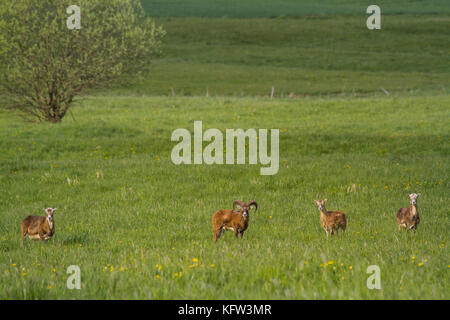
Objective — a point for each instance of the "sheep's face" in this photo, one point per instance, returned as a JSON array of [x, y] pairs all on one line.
[[413, 198], [49, 212], [244, 208], [320, 204]]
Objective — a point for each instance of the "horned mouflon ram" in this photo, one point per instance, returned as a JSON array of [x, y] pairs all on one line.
[[408, 218], [38, 227], [235, 220], [331, 221]]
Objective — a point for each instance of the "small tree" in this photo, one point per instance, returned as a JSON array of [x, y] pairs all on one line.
[[44, 64]]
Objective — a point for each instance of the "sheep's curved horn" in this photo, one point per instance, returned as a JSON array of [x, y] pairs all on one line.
[[238, 202], [252, 203]]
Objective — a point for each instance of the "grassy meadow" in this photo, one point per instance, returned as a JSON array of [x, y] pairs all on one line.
[[320, 49], [139, 227]]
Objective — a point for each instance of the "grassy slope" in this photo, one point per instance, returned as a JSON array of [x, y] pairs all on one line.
[[130, 207], [275, 8], [305, 56]]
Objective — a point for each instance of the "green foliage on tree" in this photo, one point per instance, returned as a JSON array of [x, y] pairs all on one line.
[[44, 64]]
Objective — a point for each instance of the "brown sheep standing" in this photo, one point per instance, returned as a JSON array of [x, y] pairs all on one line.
[[37, 227], [235, 220], [331, 220], [408, 218]]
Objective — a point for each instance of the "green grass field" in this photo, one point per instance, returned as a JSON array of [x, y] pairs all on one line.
[[128, 209], [286, 8], [139, 227], [305, 56]]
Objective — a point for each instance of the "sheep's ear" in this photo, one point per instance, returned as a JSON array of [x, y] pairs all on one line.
[[54, 209], [317, 201], [324, 200]]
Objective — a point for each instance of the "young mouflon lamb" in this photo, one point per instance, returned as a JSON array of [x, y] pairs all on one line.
[[408, 218], [331, 220], [37, 227]]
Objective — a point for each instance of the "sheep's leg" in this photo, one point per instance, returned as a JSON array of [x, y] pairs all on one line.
[[217, 234], [236, 233], [24, 231]]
